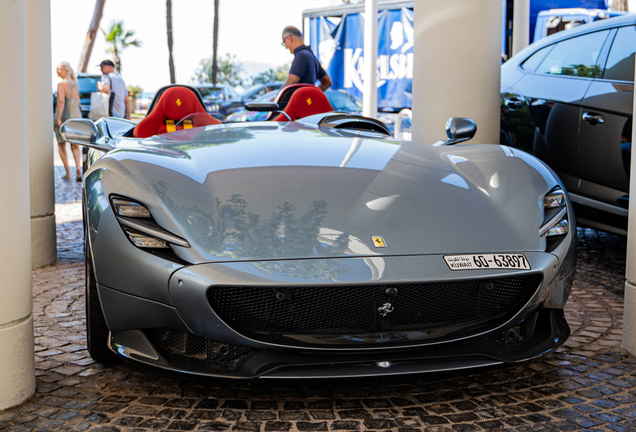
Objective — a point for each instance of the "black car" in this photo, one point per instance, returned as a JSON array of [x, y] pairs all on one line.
[[257, 90], [87, 84], [223, 99], [218, 98], [567, 99]]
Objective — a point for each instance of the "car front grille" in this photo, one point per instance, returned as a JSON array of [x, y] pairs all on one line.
[[353, 310], [192, 352]]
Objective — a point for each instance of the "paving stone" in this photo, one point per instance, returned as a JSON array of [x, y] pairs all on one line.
[[345, 425], [261, 415], [322, 415], [293, 415], [278, 426], [294, 406], [234, 404], [307, 427]]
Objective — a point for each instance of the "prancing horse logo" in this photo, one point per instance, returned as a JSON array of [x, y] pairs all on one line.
[[385, 309]]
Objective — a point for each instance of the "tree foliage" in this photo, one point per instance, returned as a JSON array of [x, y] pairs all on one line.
[[229, 71], [278, 74], [119, 41]]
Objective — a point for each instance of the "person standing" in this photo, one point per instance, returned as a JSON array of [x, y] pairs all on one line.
[[67, 107], [305, 68], [113, 84]]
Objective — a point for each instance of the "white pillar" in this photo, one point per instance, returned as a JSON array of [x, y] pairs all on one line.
[[456, 71], [370, 94], [629, 310], [17, 372], [40, 101], [520, 25]]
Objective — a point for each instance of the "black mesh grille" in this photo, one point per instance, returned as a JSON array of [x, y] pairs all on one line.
[[193, 352], [337, 310]]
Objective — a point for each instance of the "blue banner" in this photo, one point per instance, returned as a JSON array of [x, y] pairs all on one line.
[[340, 48]]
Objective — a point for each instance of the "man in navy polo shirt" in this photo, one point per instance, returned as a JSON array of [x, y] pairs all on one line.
[[305, 68]]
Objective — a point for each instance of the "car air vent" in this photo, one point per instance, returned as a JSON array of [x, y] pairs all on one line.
[[367, 309], [354, 122], [192, 352]]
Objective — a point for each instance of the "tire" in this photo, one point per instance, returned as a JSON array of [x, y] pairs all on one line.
[[96, 327]]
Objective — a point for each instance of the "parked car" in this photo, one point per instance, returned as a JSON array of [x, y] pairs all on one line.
[[567, 99], [258, 90], [553, 21], [87, 84], [144, 99], [218, 98], [319, 247], [340, 100]]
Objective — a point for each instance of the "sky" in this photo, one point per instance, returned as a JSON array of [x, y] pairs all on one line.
[[248, 29]]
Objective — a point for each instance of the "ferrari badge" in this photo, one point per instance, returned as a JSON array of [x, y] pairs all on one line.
[[378, 242]]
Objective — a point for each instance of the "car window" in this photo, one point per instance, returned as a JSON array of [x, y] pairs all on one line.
[[262, 91], [575, 57], [211, 92], [535, 59], [87, 84], [267, 97], [620, 62], [340, 102]]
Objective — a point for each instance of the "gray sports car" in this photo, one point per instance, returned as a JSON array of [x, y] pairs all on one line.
[[319, 247]]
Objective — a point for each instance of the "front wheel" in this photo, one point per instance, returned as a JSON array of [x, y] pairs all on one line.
[[96, 327]]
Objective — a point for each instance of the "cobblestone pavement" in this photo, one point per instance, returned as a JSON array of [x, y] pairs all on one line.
[[587, 384]]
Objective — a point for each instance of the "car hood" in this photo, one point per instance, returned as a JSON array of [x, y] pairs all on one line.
[[289, 191]]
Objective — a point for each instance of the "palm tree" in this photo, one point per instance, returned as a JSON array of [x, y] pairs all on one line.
[[619, 5], [169, 27], [119, 41], [216, 41], [87, 49]]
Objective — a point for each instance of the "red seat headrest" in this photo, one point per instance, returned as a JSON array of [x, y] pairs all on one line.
[[174, 104], [304, 102]]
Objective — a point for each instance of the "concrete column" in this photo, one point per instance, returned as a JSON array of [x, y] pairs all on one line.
[[629, 311], [456, 71], [40, 100], [520, 25], [17, 372], [370, 94]]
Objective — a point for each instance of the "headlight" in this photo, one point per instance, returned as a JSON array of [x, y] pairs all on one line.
[[213, 108], [144, 241], [141, 228], [555, 221], [130, 209], [554, 199]]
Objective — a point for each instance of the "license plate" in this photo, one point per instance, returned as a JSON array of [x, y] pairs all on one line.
[[487, 261]]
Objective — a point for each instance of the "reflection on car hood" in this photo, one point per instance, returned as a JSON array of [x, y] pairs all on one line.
[[274, 191]]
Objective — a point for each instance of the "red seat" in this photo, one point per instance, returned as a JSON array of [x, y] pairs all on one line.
[[173, 105], [304, 102]]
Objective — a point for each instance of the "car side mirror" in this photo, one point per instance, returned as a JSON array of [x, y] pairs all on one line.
[[458, 129], [82, 132]]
